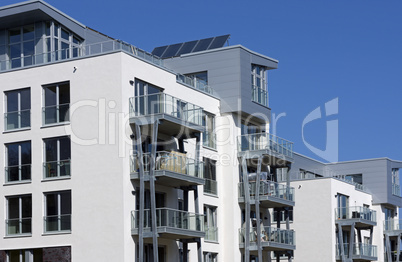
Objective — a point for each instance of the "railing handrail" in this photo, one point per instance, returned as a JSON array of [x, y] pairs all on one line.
[[270, 182], [18, 111], [19, 219], [192, 83], [61, 215], [267, 134], [170, 96], [57, 161], [134, 155], [171, 209], [58, 105], [6, 167]]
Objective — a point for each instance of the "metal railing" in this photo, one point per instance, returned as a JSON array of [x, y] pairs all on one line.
[[350, 181], [18, 173], [356, 212], [211, 234], [268, 234], [269, 188], [57, 223], [55, 169], [265, 141], [55, 114], [209, 139], [211, 187], [259, 95], [392, 225], [162, 103], [359, 249], [83, 51], [169, 161], [195, 83], [17, 119], [172, 218], [18, 226]]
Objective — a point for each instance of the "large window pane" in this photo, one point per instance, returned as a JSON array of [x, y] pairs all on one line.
[[57, 103]]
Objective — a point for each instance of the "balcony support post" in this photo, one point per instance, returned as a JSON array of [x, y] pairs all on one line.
[[185, 251], [351, 240], [340, 241], [138, 144], [257, 208], [152, 189], [388, 247], [398, 251], [247, 210]]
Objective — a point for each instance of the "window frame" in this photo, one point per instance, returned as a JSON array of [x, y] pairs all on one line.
[[19, 111], [20, 164], [57, 104], [59, 214], [48, 165], [20, 214]]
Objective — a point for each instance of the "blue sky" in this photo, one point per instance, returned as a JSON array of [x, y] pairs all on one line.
[[345, 49]]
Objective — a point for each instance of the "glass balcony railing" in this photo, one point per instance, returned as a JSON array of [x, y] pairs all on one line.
[[211, 234], [55, 114], [56, 169], [209, 139], [162, 103], [396, 190], [18, 173], [18, 226], [359, 249], [211, 187], [17, 119], [392, 225], [57, 223], [356, 212], [171, 218], [259, 95], [269, 234], [194, 83], [265, 141], [169, 161], [85, 50], [271, 189]]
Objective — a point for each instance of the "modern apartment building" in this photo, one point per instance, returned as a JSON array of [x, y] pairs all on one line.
[[112, 153]]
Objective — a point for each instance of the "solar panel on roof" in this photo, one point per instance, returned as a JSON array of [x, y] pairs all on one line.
[[190, 47], [203, 44], [219, 41]]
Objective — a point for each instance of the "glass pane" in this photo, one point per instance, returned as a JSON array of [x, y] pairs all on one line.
[[64, 115], [51, 205], [12, 101], [14, 35], [65, 148], [51, 115], [28, 32], [13, 174], [51, 150], [26, 153], [26, 172], [64, 34], [26, 207], [65, 50], [12, 154], [50, 96], [25, 99], [65, 198], [47, 28], [64, 94], [14, 256], [29, 51], [15, 55], [13, 207]]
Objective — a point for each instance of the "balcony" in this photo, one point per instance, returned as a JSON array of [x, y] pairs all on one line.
[[259, 95], [180, 118], [273, 149], [57, 223], [170, 223], [361, 216], [272, 194], [18, 226], [20, 173], [360, 252], [272, 239], [211, 187], [171, 169], [17, 120], [57, 169], [195, 83], [393, 227], [211, 234]]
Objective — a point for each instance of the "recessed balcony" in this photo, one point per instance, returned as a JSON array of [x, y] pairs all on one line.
[[176, 117], [272, 239], [393, 227], [360, 252], [271, 194], [361, 216], [171, 169], [170, 223], [275, 150]]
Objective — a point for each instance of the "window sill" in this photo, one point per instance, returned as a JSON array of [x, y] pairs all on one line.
[[52, 233], [211, 241], [16, 130], [56, 124], [18, 235], [210, 148], [17, 183], [211, 195], [56, 178]]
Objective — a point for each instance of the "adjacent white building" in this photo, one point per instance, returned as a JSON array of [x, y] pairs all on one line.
[[115, 154]]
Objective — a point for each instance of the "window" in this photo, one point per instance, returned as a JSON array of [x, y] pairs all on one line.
[[209, 138], [21, 46], [58, 211], [198, 80], [146, 98], [210, 257], [307, 174], [282, 174], [343, 206], [211, 185], [18, 109], [282, 218], [253, 137], [210, 223], [396, 190], [19, 215], [18, 159], [56, 103], [259, 85], [57, 157]]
